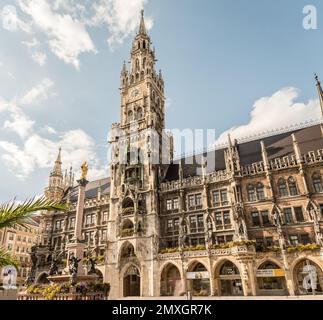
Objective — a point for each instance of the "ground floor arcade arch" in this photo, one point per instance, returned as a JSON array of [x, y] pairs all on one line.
[[198, 279], [271, 280], [131, 282], [227, 276], [308, 278], [170, 282]]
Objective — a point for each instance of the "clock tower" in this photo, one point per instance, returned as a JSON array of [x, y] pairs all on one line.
[[138, 146]]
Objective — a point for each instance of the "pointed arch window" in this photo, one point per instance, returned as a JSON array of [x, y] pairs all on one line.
[[282, 187], [139, 113], [130, 116], [292, 186], [251, 193], [144, 63], [317, 182], [260, 191]]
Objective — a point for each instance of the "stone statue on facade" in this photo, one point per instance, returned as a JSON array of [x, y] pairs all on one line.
[[182, 234], [240, 227], [54, 267], [92, 264], [209, 234], [317, 229], [278, 225]]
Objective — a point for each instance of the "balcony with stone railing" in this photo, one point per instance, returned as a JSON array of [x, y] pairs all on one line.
[[216, 176], [231, 248], [282, 163]]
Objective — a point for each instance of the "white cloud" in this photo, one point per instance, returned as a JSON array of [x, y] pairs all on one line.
[[275, 112], [39, 57], [32, 43], [38, 93], [4, 105], [38, 152], [19, 123], [48, 130], [68, 37], [120, 16]]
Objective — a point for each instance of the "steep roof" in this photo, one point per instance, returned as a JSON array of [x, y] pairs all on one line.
[[91, 190], [279, 145]]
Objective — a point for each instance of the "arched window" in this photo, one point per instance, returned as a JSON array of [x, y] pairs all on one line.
[[317, 182], [251, 193], [130, 116], [137, 76], [260, 191], [144, 63], [139, 113], [138, 44], [282, 187], [144, 44], [292, 186], [127, 229], [137, 64]]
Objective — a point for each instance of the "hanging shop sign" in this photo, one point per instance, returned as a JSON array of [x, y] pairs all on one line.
[[197, 275], [270, 273]]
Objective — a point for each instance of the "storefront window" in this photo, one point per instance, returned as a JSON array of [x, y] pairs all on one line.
[[198, 281], [230, 280], [271, 279]]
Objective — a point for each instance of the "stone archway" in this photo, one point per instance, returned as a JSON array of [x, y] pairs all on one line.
[[131, 282], [228, 279], [170, 282], [198, 279], [271, 280], [308, 278]]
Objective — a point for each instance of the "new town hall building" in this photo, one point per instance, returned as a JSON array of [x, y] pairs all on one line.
[[247, 220]]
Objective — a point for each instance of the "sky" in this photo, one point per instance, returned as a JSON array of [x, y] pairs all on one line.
[[238, 66]]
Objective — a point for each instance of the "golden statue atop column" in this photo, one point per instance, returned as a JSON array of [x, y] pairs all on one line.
[[84, 170]]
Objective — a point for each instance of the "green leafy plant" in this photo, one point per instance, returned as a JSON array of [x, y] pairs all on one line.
[[128, 211], [7, 259], [169, 250], [19, 214], [233, 244], [127, 232], [13, 213], [304, 247]]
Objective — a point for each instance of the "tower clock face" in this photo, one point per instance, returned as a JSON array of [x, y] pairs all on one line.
[[134, 93]]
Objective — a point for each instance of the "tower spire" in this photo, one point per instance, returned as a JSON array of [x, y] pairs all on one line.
[[57, 170], [320, 91], [142, 27]]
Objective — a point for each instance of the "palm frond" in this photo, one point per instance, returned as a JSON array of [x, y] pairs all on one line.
[[13, 213], [7, 259]]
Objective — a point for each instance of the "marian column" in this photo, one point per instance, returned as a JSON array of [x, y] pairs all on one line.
[[77, 245]]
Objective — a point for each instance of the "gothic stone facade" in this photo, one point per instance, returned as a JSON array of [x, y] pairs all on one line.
[[247, 221]]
